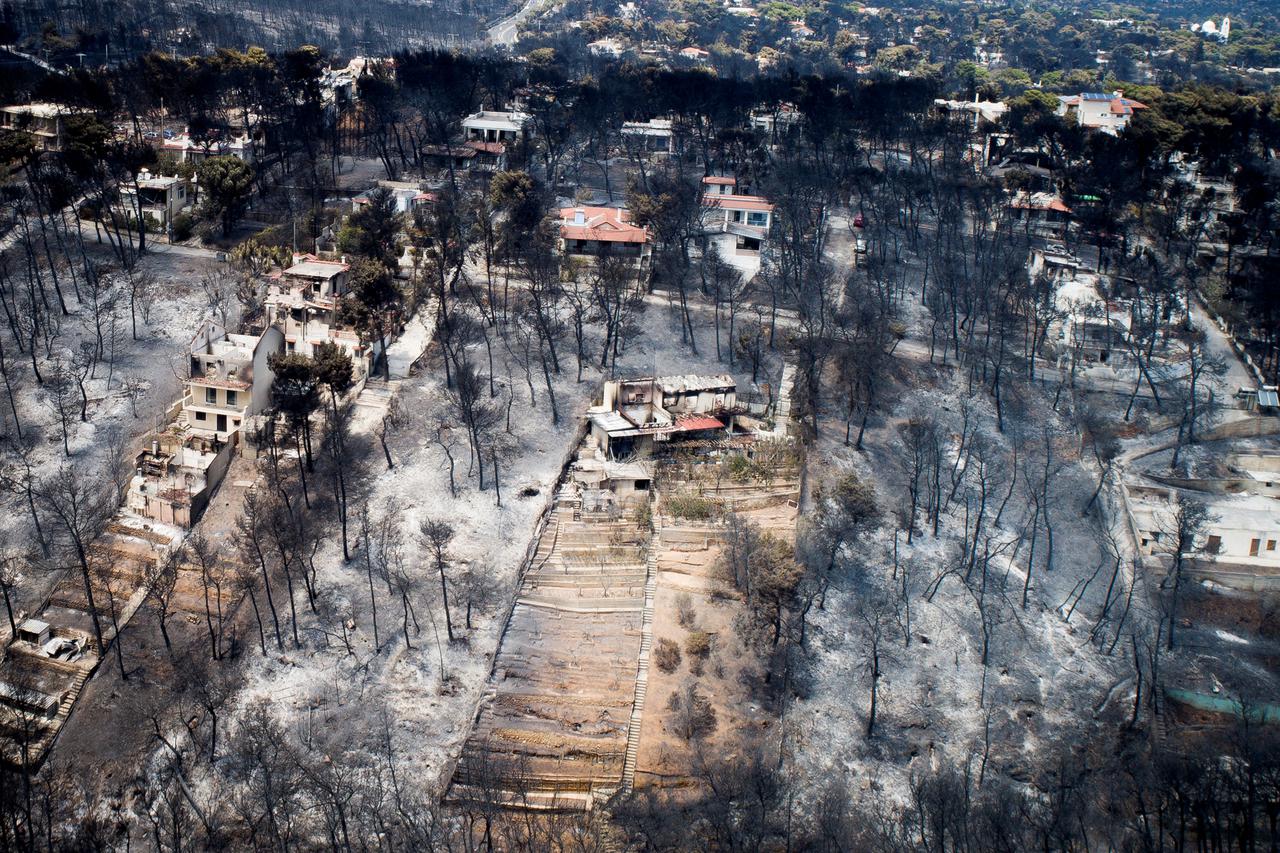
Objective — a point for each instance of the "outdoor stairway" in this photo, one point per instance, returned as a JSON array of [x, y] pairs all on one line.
[[64, 711], [642, 669], [378, 394], [552, 728]]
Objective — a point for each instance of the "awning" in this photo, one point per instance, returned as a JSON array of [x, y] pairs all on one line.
[[693, 423]]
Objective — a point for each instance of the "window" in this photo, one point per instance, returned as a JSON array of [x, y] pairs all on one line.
[[211, 396], [1253, 547], [1213, 544], [231, 398], [1271, 544], [201, 416], [758, 218]]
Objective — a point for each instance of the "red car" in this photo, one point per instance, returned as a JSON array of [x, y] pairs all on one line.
[[859, 221]]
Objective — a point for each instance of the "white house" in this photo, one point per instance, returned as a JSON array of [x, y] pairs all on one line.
[[161, 197], [188, 150], [228, 379], [303, 301], [1246, 531], [652, 137], [776, 122], [405, 196], [1109, 113], [634, 414], [176, 475], [727, 211], [43, 121], [494, 126], [607, 47]]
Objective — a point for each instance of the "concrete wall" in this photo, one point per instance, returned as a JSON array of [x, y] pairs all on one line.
[[1226, 485], [271, 342], [1258, 462], [1235, 578], [1244, 428]]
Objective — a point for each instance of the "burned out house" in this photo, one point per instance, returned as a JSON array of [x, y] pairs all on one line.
[[303, 303], [636, 415], [228, 380], [175, 477]]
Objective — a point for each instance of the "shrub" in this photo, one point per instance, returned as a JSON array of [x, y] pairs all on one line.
[[666, 655], [207, 232], [698, 647], [697, 644], [740, 468], [184, 225], [693, 717], [690, 506], [685, 613]]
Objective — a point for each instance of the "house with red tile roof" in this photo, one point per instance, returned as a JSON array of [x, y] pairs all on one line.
[[594, 232], [728, 211], [1109, 113], [1043, 213]]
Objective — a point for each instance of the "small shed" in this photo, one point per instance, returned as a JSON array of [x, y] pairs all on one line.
[[34, 631]]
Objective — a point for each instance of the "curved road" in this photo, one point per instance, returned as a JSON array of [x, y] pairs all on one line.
[[505, 31]]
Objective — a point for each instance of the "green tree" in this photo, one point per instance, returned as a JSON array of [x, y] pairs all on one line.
[[295, 394], [225, 183], [371, 231], [373, 305]]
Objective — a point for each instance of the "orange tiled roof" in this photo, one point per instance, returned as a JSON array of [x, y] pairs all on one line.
[[604, 224], [738, 202]]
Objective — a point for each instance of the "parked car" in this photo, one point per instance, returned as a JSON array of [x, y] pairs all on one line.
[[859, 221], [169, 134], [150, 134]]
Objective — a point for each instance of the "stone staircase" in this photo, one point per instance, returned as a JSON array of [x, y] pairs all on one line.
[[378, 394], [64, 711], [642, 669]]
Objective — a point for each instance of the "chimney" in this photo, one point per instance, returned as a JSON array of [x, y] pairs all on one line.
[[155, 447], [579, 217]]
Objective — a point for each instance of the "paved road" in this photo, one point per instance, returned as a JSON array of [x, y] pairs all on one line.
[[92, 235], [1219, 346], [34, 60], [505, 31]]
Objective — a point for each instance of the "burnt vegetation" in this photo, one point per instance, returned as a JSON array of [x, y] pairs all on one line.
[[959, 649]]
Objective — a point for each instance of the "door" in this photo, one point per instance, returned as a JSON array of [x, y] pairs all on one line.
[[222, 423]]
